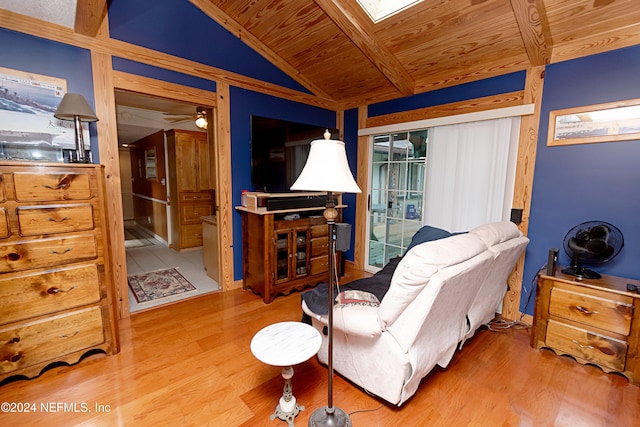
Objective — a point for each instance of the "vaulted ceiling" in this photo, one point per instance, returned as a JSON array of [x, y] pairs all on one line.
[[337, 52]]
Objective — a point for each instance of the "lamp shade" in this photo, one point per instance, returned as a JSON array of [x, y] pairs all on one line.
[[327, 168], [72, 105]]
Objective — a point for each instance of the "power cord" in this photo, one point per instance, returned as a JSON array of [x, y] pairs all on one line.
[[500, 325]]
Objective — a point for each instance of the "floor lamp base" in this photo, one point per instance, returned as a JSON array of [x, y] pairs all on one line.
[[326, 417]]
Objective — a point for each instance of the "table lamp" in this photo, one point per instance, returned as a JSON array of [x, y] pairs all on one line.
[[327, 170], [74, 107]]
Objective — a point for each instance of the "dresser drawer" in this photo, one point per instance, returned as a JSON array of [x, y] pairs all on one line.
[[5, 231], [42, 340], [599, 349], [205, 196], [18, 256], [37, 294], [320, 231], [34, 187], [191, 213], [37, 220], [319, 246], [190, 236], [613, 314], [320, 265]]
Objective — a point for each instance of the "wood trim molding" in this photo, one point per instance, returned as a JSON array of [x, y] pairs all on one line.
[[108, 151], [531, 26], [362, 199], [36, 27], [224, 190], [90, 14], [525, 165], [502, 100]]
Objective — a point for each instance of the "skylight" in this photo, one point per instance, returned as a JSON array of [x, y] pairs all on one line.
[[382, 9]]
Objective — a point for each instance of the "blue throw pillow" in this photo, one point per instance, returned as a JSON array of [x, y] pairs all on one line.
[[427, 234]]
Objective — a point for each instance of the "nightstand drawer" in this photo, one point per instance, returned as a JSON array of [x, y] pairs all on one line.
[[609, 314], [320, 230], [36, 294], [42, 340], [38, 220], [599, 349], [18, 256], [33, 187]]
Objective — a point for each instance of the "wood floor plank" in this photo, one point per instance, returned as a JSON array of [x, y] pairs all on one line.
[[189, 364]]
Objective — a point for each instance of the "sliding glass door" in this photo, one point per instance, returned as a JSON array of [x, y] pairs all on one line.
[[398, 165]]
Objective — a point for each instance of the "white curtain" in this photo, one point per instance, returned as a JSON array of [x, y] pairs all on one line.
[[470, 173]]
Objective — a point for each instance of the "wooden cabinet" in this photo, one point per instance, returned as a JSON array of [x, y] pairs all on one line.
[[55, 285], [595, 321], [281, 255], [190, 186]]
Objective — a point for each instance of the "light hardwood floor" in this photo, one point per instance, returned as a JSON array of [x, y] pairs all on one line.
[[189, 364]]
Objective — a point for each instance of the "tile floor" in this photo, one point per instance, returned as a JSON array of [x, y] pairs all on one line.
[[189, 263]]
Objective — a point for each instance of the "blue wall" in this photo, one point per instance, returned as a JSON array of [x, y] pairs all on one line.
[[244, 103], [578, 183], [572, 184], [40, 56], [179, 28]]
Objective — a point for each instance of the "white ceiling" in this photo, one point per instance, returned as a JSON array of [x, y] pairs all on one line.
[[61, 12]]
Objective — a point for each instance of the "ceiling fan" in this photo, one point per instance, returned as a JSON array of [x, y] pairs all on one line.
[[200, 117]]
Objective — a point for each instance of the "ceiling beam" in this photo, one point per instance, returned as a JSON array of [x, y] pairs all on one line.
[[344, 16], [89, 16], [231, 25], [534, 29]]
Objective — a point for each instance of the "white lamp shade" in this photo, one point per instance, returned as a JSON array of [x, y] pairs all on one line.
[[327, 168]]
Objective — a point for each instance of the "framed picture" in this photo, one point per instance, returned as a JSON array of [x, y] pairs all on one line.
[[614, 121], [27, 104]]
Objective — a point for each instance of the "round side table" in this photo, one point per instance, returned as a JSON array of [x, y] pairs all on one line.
[[286, 344]]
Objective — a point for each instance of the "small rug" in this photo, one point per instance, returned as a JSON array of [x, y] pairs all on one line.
[[133, 238], [158, 284]]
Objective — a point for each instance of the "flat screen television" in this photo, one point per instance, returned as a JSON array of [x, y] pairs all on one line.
[[279, 151]]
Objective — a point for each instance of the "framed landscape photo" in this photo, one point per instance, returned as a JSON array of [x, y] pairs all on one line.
[[28, 128], [613, 121]]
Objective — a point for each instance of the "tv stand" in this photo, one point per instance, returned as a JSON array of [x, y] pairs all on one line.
[[282, 255]]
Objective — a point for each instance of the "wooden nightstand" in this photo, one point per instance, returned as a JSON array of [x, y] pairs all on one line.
[[595, 321]]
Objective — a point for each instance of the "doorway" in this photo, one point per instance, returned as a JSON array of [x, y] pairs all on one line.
[[141, 122]]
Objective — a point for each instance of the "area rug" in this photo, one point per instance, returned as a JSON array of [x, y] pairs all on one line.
[[158, 284], [133, 238]]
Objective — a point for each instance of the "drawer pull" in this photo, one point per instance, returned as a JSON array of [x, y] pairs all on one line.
[[14, 340], [63, 184], [52, 291], [66, 218], [585, 311], [588, 347], [15, 358], [70, 335], [61, 253]]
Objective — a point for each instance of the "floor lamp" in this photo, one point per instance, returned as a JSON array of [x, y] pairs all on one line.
[[327, 170], [74, 107]]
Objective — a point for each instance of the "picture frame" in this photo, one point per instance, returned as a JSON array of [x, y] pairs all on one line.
[[28, 128], [613, 121]]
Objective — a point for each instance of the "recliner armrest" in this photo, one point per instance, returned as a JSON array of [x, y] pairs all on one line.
[[352, 319]]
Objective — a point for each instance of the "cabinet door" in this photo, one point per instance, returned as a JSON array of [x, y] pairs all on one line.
[[204, 159], [186, 162], [302, 254], [283, 256]]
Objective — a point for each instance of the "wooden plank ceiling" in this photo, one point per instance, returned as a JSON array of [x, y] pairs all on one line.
[[336, 51]]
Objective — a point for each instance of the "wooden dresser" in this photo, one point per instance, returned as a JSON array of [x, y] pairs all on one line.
[[595, 321], [55, 279], [190, 186]]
